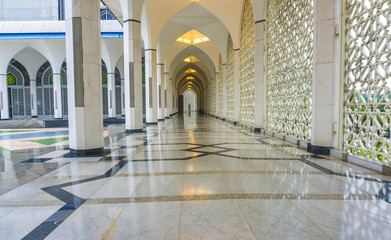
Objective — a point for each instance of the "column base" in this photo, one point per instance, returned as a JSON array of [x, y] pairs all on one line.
[[134, 130], [88, 152], [151, 123], [318, 149], [5, 119]]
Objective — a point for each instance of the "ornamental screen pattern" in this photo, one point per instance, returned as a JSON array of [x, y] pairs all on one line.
[[220, 85], [247, 65], [368, 79], [230, 80], [289, 67], [213, 94], [212, 97]]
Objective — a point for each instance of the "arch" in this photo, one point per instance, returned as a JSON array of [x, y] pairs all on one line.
[[190, 101], [184, 81], [189, 18], [18, 81], [195, 67], [31, 59], [44, 90], [191, 50]]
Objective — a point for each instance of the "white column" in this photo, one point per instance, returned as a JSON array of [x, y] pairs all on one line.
[[111, 94], [324, 85], [151, 86], [133, 75], [160, 90], [236, 86], [260, 91], [84, 77], [123, 97], [167, 94], [4, 104], [225, 100], [57, 95], [33, 98]]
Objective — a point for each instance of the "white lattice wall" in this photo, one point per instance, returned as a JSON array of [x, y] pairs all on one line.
[[220, 85], [247, 65], [230, 80], [368, 78], [289, 67]]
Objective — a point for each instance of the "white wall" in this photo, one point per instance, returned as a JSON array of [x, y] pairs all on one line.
[[32, 10]]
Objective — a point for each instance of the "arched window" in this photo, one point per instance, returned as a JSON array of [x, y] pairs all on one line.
[[45, 100], [18, 81], [64, 89], [104, 90], [118, 102]]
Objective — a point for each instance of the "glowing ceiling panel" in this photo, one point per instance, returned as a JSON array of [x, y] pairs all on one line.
[[190, 70], [191, 59], [193, 37]]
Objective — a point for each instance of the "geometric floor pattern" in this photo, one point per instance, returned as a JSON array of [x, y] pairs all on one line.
[[191, 177]]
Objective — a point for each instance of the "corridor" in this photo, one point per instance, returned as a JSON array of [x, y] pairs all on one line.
[[192, 177]]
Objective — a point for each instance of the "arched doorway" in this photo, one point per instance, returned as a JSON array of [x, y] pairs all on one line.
[[118, 102], [45, 95], [104, 90], [190, 101], [18, 81]]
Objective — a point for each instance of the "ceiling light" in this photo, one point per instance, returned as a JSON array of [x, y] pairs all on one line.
[[193, 37], [190, 70], [191, 59]]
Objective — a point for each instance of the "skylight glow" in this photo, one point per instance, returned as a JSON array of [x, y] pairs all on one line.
[[193, 37]]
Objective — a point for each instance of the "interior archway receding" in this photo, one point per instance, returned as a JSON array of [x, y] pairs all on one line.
[[190, 101]]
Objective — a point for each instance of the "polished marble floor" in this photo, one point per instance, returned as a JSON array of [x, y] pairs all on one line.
[[190, 177]]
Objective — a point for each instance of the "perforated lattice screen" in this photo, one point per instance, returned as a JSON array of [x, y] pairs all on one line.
[[289, 67], [247, 65], [220, 86], [368, 78], [230, 80]]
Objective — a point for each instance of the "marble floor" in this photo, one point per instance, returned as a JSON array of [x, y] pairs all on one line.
[[190, 177]]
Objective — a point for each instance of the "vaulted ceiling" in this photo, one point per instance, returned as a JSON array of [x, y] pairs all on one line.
[[163, 22]]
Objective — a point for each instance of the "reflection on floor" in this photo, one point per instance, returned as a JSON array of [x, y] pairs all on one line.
[[191, 177]]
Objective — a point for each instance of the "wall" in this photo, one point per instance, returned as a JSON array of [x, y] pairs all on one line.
[[31, 10]]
